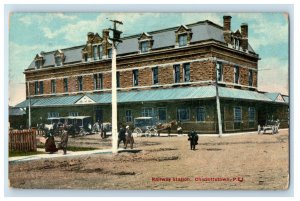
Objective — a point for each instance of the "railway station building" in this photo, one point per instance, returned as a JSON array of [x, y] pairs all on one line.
[[169, 74]]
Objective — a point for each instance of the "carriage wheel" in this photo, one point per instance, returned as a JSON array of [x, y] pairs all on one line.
[[156, 132], [82, 132], [137, 132], [151, 132], [148, 133]]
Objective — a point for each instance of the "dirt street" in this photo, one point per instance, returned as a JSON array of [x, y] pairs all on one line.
[[247, 161]]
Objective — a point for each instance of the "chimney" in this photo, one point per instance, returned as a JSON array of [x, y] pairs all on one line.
[[90, 36], [105, 34], [227, 23], [244, 40], [227, 29]]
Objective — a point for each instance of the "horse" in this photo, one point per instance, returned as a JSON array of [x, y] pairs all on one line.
[[166, 126], [96, 128]]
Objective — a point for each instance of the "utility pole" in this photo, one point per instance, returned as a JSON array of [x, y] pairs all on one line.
[[29, 106], [218, 103], [114, 115]]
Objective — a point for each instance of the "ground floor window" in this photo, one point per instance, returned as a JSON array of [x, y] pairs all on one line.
[[237, 114], [128, 115], [162, 114], [201, 114], [53, 114], [237, 111], [73, 114], [147, 112], [183, 114], [251, 116]]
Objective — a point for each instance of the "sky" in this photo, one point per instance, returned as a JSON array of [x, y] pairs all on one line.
[[31, 33]]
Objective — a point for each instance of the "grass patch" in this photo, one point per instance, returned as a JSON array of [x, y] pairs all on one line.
[[22, 153]]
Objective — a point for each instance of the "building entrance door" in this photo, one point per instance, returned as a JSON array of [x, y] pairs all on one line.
[[262, 116], [99, 115]]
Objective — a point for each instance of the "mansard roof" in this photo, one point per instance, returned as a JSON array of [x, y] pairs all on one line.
[[165, 38]]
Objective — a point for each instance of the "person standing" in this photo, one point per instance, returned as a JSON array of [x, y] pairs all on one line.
[[122, 135], [129, 138], [64, 140], [50, 143], [193, 138]]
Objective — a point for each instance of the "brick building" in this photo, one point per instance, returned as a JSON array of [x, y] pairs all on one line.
[[169, 74]]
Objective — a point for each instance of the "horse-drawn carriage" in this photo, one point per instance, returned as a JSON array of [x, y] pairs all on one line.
[[149, 126], [270, 125], [82, 124], [145, 126], [78, 125]]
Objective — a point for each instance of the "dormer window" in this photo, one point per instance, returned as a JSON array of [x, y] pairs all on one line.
[[58, 61], [38, 61], [144, 46], [100, 51], [183, 36], [145, 42], [93, 48], [109, 53], [97, 52], [58, 57], [236, 43], [38, 64], [182, 40]]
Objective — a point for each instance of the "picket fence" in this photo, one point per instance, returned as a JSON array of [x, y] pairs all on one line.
[[22, 140]]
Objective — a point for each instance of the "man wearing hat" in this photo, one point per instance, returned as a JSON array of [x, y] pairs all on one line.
[[122, 135], [193, 138], [64, 139], [129, 137]]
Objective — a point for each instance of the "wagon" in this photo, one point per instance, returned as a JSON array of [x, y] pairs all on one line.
[[270, 125], [82, 124], [145, 126]]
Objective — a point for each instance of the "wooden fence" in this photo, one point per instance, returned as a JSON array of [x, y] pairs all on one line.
[[22, 140]]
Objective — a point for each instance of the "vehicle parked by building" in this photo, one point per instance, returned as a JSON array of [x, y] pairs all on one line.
[[145, 126]]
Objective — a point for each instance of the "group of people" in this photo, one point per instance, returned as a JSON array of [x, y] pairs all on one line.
[[125, 135], [50, 145]]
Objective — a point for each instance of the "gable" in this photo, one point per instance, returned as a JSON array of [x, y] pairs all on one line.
[[38, 57], [237, 33], [145, 36], [97, 39], [182, 29], [279, 98], [85, 100], [58, 53]]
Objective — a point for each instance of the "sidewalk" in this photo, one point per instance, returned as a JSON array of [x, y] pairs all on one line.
[[58, 155]]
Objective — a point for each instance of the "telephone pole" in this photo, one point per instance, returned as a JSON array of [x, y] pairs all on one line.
[[218, 101], [114, 115]]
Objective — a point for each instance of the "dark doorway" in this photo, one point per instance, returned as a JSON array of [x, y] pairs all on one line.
[[99, 115], [262, 116]]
